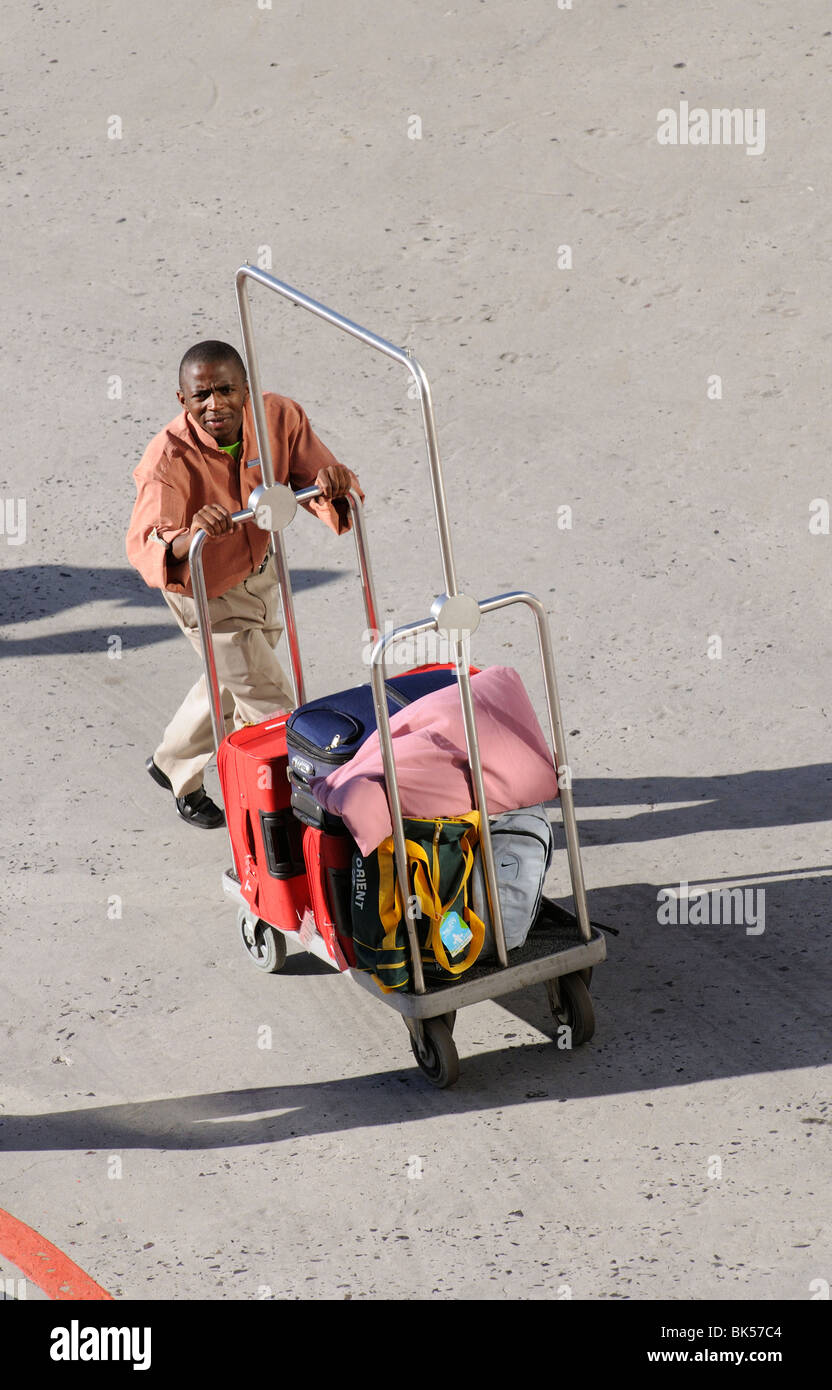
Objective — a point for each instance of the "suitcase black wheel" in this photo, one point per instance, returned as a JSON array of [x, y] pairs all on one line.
[[441, 1065], [265, 945], [572, 1005]]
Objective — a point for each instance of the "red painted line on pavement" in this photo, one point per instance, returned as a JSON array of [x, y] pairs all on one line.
[[42, 1262]]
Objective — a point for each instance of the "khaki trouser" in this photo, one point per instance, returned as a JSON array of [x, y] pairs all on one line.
[[253, 684]]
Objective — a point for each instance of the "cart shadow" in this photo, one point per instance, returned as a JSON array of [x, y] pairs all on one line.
[[33, 592], [733, 801], [303, 963], [675, 1004], [680, 1000]]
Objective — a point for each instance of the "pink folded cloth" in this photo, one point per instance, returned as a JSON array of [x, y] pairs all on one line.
[[432, 762]]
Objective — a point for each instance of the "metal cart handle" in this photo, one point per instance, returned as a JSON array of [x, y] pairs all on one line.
[[405, 357], [402, 355], [260, 498]]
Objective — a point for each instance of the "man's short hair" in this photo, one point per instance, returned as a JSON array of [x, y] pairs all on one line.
[[211, 352]]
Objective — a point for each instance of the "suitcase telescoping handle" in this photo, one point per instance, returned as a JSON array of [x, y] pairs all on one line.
[[272, 509]]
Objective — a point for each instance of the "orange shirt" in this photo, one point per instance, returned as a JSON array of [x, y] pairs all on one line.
[[183, 468]]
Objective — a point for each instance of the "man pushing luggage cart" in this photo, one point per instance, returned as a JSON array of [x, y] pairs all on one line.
[[292, 857], [199, 469]]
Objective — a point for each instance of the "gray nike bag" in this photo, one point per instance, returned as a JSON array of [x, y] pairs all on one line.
[[523, 849]]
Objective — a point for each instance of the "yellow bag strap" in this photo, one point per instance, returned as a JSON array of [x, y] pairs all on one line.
[[425, 886], [431, 903], [426, 882], [389, 897], [390, 909], [476, 927], [431, 880]]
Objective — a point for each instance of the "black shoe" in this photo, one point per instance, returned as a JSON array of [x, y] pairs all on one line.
[[196, 808], [158, 775]]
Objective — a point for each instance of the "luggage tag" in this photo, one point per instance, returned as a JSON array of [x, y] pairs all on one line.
[[455, 933]]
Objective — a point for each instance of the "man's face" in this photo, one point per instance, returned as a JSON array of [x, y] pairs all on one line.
[[214, 393]]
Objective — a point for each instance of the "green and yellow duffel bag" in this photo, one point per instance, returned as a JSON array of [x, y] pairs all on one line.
[[440, 857]]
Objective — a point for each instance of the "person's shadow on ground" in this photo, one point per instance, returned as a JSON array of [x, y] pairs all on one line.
[[32, 592]]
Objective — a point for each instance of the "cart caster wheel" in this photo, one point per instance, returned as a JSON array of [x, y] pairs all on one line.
[[572, 1005], [449, 1020], [265, 945], [441, 1066]]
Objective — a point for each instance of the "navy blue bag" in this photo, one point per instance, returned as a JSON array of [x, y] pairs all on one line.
[[322, 734]]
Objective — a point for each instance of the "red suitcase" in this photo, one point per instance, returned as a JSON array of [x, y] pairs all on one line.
[[328, 869], [266, 837], [293, 877]]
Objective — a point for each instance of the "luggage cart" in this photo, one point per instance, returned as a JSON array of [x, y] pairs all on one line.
[[563, 953]]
